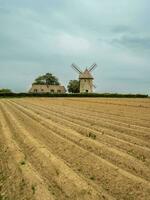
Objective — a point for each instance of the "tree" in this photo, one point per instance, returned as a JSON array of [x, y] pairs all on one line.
[[74, 86], [47, 79], [5, 90]]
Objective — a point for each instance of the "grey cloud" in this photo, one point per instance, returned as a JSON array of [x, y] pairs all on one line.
[[135, 42], [121, 29]]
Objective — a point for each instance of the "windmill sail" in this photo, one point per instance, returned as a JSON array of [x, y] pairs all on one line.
[[76, 68], [92, 67]]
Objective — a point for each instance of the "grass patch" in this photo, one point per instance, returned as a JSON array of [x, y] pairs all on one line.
[[92, 135], [3, 197], [23, 162], [22, 184], [57, 172], [142, 158], [33, 189], [92, 178]]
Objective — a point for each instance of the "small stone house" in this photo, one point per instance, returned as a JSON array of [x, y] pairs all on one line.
[[47, 89]]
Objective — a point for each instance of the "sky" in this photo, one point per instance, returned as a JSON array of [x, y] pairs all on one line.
[[42, 36]]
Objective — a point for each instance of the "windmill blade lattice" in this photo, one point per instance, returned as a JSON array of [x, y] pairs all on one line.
[[76, 68], [94, 86], [92, 67]]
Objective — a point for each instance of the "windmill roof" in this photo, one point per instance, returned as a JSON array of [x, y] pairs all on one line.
[[86, 75]]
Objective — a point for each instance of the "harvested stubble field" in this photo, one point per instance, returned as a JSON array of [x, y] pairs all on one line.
[[73, 148]]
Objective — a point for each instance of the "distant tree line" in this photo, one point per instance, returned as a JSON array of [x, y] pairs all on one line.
[[109, 95], [73, 89], [5, 90]]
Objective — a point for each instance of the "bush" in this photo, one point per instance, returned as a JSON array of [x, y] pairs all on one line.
[[5, 90], [111, 95], [74, 86]]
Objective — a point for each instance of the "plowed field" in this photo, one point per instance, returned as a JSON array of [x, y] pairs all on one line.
[[74, 148]]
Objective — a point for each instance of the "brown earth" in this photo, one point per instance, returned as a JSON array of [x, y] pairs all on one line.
[[75, 149]]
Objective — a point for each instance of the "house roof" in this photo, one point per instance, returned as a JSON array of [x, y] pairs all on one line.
[[86, 75], [47, 86]]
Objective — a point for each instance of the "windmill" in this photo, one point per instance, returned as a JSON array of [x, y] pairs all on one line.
[[85, 78]]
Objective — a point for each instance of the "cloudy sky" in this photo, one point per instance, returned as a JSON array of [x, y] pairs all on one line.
[[39, 36]]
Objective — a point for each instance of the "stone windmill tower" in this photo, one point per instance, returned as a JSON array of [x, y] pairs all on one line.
[[85, 78]]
